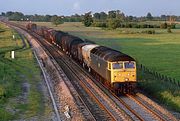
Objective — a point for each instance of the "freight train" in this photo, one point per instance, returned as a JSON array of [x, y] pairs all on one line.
[[114, 69]]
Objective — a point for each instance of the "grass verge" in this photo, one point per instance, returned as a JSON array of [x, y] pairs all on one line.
[[21, 95]]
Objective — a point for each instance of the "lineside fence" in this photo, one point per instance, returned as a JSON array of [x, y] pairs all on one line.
[[158, 76]]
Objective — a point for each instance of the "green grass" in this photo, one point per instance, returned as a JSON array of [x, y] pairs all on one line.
[[159, 52], [15, 72]]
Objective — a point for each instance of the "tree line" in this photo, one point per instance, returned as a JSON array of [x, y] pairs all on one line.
[[18, 16], [117, 19], [112, 19]]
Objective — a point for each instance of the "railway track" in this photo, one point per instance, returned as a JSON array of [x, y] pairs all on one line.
[[49, 89], [146, 114], [79, 101], [133, 110], [131, 114], [153, 110], [138, 101], [126, 107], [150, 113], [100, 110]]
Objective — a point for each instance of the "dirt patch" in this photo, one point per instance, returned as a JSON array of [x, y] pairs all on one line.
[[25, 90]]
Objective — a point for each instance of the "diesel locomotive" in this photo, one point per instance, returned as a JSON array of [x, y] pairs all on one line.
[[114, 69]]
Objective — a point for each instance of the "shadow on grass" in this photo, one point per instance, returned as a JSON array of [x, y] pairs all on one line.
[[13, 64], [4, 50], [165, 92]]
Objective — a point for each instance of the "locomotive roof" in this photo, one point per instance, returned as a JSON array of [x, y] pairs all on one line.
[[72, 38], [111, 55], [60, 32]]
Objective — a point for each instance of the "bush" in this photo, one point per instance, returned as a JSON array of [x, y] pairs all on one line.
[[169, 30], [122, 25], [156, 26], [128, 25], [135, 26], [143, 26], [2, 30], [99, 24], [149, 32], [163, 26], [113, 24], [88, 19], [173, 26]]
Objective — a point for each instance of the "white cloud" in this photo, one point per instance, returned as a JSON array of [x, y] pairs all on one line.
[[76, 6]]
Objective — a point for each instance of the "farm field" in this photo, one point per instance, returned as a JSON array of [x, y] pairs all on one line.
[[21, 90]]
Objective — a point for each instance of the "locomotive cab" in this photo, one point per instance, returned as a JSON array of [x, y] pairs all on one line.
[[123, 74]]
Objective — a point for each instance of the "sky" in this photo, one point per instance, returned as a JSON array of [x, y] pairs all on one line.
[[70, 7]]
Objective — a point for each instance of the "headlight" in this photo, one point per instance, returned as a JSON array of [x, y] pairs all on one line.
[[128, 74], [126, 79]]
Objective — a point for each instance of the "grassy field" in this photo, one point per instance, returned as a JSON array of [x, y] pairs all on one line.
[[159, 52], [20, 89]]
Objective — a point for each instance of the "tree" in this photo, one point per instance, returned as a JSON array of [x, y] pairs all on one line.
[[163, 17], [88, 19], [103, 16], [17, 16], [97, 15], [3, 14], [164, 26], [169, 30], [47, 18], [9, 13], [120, 15], [149, 16], [129, 18], [114, 23], [56, 20], [112, 14], [75, 18]]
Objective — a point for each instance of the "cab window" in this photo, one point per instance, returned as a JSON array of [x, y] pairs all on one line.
[[117, 65], [129, 65]]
